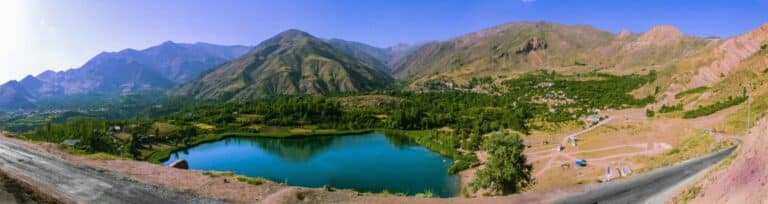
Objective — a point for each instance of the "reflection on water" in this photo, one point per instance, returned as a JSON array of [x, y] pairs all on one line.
[[368, 163]]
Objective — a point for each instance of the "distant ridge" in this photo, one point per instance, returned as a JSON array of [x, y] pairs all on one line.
[[129, 71]]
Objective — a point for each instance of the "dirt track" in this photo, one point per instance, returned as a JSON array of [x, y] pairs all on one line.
[[80, 184]]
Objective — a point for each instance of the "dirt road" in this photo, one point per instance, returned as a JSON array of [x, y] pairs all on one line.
[[564, 142], [80, 184]]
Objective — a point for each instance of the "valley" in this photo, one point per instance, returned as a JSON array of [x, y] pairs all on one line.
[[528, 112]]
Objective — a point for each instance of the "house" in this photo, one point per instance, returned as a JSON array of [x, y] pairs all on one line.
[[595, 118]]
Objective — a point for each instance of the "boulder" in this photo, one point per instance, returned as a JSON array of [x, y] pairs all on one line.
[[180, 164]]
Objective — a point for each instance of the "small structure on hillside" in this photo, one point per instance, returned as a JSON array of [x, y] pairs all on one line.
[[626, 171], [594, 119], [572, 140], [608, 174], [559, 148]]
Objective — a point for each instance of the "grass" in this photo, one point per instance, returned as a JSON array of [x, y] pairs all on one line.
[[427, 194], [736, 122], [383, 193], [251, 180], [103, 156], [165, 128], [204, 126], [689, 194], [215, 174]]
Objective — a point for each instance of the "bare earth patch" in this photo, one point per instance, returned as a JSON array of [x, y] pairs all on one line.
[[745, 180]]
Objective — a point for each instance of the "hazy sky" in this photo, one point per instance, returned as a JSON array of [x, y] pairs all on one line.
[[59, 34]]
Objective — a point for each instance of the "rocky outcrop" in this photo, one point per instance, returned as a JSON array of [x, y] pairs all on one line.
[[728, 55], [179, 164], [531, 45]]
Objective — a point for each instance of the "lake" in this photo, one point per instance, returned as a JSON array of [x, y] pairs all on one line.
[[366, 163]]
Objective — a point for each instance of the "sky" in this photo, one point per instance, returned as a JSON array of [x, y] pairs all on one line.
[[38, 35]]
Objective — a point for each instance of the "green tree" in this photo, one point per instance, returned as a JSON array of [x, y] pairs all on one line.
[[507, 170], [649, 113]]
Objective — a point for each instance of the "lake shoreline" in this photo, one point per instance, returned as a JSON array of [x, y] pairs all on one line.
[[162, 155]]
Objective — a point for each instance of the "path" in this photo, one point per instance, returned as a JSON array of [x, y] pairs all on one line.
[[564, 142]]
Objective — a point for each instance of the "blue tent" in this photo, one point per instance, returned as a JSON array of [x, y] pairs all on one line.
[[581, 162]]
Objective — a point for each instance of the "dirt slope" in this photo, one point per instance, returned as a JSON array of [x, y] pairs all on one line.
[[746, 179]]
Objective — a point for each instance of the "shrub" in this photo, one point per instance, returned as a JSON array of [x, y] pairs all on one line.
[[672, 108], [649, 113]]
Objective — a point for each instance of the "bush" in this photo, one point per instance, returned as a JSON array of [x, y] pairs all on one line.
[[649, 113], [668, 109]]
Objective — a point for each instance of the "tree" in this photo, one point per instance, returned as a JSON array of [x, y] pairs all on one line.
[[507, 170], [133, 146], [649, 113]]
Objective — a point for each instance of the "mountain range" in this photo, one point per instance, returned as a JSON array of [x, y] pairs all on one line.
[[295, 62], [118, 73]]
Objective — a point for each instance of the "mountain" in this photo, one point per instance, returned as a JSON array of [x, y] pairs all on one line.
[[13, 97], [292, 62], [519, 47], [370, 56], [725, 69], [381, 58], [157, 68], [128, 71]]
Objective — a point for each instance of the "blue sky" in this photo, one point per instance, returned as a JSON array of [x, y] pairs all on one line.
[[58, 35]]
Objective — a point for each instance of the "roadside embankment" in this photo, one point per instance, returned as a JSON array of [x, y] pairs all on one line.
[[16, 191], [745, 180]]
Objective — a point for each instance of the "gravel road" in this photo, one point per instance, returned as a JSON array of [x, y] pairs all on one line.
[[81, 184], [652, 187]]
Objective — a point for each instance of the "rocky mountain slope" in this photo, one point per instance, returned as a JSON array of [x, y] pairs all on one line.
[[381, 58], [293, 62], [726, 68], [520, 47], [116, 73], [14, 96]]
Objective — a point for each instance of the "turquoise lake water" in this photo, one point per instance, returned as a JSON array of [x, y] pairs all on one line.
[[366, 163]]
